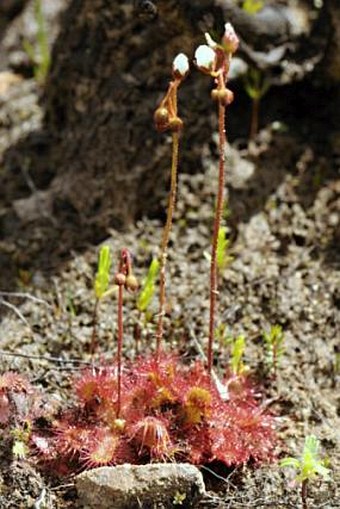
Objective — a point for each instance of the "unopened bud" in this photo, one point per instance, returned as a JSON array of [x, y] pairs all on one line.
[[224, 96], [161, 118], [176, 124], [205, 58], [120, 279], [215, 94], [229, 96], [131, 283], [180, 66], [230, 41]]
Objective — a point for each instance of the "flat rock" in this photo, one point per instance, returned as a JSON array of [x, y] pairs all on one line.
[[140, 486]]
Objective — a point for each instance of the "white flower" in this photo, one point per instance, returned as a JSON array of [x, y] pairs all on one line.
[[181, 65], [205, 57]]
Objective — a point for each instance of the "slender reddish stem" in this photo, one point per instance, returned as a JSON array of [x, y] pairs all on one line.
[[94, 327], [217, 222], [254, 124], [167, 231], [304, 493], [120, 347]]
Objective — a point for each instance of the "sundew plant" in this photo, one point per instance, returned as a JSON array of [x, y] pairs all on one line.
[[158, 408]]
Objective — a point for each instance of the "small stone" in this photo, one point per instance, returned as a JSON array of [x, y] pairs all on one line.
[[38, 204], [135, 486], [8, 79]]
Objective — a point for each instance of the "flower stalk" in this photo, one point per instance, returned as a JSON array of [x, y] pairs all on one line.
[[217, 222], [214, 59], [165, 241], [166, 118], [124, 278]]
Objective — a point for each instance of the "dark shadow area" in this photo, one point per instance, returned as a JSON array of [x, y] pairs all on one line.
[[307, 149], [9, 9]]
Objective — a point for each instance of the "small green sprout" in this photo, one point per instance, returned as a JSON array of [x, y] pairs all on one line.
[[256, 84], [236, 346], [179, 498], [101, 284], [21, 436], [274, 340], [19, 450], [252, 6], [70, 307], [148, 287], [102, 278], [237, 351], [39, 53], [145, 298], [222, 335], [222, 257], [308, 466]]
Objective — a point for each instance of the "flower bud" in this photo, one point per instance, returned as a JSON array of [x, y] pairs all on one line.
[[225, 96], [131, 283], [120, 279], [180, 66], [175, 124], [161, 118], [205, 58], [228, 96], [230, 41], [215, 94]]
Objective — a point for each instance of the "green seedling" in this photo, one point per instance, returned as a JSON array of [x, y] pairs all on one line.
[[19, 450], [223, 258], [221, 335], [21, 435], [237, 351], [147, 291], [309, 466], [256, 84], [252, 6], [70, 307], [179, 498], [39, 52], [102, 278], [101, 285], [274, 340], [145, 298], [236, 346]]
